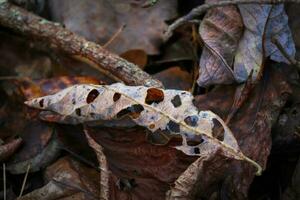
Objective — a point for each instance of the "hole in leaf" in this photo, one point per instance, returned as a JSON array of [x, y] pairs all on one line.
[[196, 150], [134, 111], [78, 111], [191, 120], [176, 101], [116, 96], [173, 126], [197, 140], [41, 103], [154, 95], [218, 130], [92, 96]]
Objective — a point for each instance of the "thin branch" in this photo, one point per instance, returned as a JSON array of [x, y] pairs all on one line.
[[4, 182], [200, 10], [57, 37], [24, 181], [103, 165], [119, 31]]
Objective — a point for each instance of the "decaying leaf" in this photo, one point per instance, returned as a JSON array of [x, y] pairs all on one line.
[[67, 179], [175, 78], [154, 108], [264, 24], [136, 56], [6, 150], [99, 20], [32, 88], [40, 148], [220, 30]]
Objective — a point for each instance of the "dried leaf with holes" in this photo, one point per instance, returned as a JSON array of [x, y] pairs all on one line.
[[154, 108]]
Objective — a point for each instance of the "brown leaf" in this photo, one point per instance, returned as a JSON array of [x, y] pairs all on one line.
[[67, 178], [99, 20], [220, 30], [139, 170], [136, 56], [253, 124], [175, 78], [38, 87], [6, 150], [39, 149]]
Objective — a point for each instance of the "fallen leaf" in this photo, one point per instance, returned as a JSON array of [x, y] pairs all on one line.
[[220, 30], [252, 123], [263, 24], [99, 20], [67, 178], [175, 78], [8, 149], [136, 56], [154, 108], [32, 88], [40, 147]]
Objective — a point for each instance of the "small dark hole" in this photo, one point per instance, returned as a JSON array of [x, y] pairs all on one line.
[[78, 111], [92, 96], [196, 150], [116, 96], [41, 102]]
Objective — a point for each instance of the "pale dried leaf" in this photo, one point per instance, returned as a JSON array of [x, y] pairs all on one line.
[[263, 23], [220, 30], [154, 108]]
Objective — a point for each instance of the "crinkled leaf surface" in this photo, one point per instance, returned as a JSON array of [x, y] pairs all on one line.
[[264, 24], [220, 30], [153, 108]]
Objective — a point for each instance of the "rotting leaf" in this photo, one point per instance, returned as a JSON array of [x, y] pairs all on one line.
[[220, 30], [160, 112], [264, 24], [6, 150], [40, 148], [66, 178]]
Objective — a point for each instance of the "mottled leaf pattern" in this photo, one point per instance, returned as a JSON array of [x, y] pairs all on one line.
[[220, 31], [263, 23], [154, 108]]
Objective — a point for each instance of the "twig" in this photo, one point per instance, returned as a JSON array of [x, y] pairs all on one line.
[[4, 182], [114, 36], [104, 170], [203, 8], [24, 181], [56, 36]]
